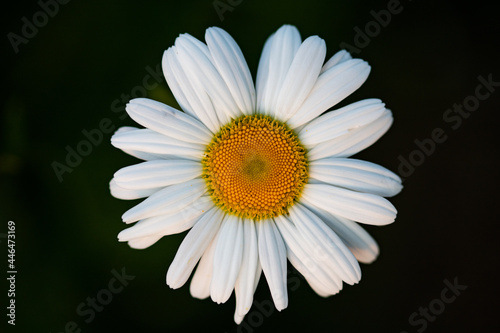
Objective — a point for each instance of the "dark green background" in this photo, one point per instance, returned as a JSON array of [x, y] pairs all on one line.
[[65, 79]]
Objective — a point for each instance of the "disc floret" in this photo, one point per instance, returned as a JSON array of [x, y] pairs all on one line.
[[255, 167]]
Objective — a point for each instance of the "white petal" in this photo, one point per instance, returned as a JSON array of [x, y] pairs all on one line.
[[171, 70], [357, 240], [274, 65], [245, 284], [200, 283], [356, 175], [125, 129], [301, 77], [127, 194], [197, 105], [336, 59], [332, 86], [301, 256], [262, 75], [341, 121], [140, 154], [169, 200], [156, 173], [311, 276], [179, 84], [152, 142], [238, 317], [168, 121], [194, 86], [329, 251], [193, 246], [227, 259], [360, 207], [144, 242], [168, 224], [127, 133], [272, 254], [229, 61], [196, 61], [354, 141], [148, 156]]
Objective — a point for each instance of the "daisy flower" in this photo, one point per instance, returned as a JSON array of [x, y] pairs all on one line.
[[259, 174]]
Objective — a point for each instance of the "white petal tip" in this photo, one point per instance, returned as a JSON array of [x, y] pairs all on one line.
[[219, 299], [281, 307], [173, 284], [199, 296], [238, 319], [124, 236]]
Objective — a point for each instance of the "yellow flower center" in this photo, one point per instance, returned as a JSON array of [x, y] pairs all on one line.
[[255, 167]]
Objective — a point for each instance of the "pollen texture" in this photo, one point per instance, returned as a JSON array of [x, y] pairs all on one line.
[[255, 167]]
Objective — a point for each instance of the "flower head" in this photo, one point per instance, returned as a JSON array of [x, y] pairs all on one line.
[[259, 174]]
